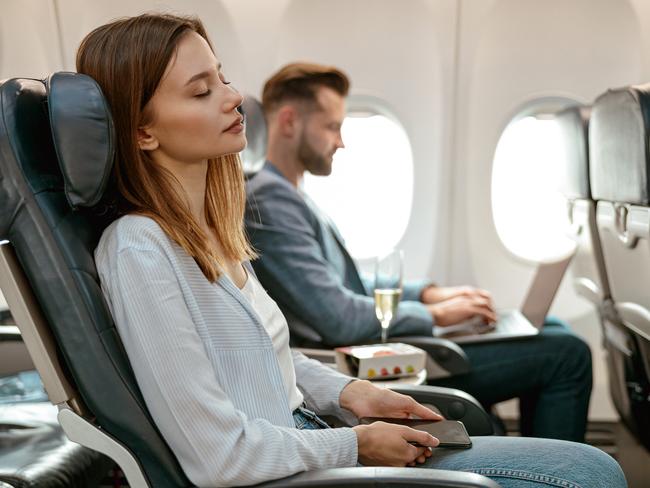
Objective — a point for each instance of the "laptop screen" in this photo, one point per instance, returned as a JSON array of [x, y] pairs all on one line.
[[542, 290]]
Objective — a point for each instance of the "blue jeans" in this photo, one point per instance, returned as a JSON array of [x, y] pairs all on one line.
[[549, 373], [307, 420], [517, 462]]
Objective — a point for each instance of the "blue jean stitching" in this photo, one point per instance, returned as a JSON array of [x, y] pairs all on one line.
[[526, 475], [300, 421], [308, 417]]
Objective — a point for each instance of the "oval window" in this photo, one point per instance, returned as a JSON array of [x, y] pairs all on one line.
[[369, 193], [530, 213]]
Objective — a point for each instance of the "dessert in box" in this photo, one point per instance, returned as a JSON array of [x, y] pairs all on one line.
[[380, 361]]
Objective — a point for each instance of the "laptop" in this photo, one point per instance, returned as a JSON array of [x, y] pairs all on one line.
[[514, 324]]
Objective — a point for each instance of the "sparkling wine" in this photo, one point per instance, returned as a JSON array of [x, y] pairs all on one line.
[[386, 301]]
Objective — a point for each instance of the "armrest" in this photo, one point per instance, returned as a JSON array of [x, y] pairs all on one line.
[[383, 477], [325, 356], [447, 356], [453, 405]]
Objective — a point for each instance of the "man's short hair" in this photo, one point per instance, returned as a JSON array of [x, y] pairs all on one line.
[[299, 82]]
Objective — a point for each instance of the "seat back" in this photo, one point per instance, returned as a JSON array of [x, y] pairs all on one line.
[[588, 266], [620, 158], [43, 216], [254, 155]]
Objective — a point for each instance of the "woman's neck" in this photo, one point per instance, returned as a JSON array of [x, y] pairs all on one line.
[[192, 178]]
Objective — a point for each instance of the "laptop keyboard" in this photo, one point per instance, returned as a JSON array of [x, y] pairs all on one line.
[[509, 323]]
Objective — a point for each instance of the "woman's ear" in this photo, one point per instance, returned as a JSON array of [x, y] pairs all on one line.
[[146, 140]]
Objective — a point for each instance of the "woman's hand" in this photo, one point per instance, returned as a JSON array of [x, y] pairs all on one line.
[[364, 399], [384, 444]]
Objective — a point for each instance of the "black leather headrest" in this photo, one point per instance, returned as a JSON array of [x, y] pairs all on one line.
[[618, 145], [24, 125], [573, 124], [254, 155], [83, 133]]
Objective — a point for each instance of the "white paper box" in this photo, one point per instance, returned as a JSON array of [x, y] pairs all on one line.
[[380, 361]]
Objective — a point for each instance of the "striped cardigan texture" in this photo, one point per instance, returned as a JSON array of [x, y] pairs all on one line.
[[207, 369]]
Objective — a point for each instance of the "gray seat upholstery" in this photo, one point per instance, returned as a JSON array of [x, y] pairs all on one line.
[[588, 265], [619, 178], [48, 181]]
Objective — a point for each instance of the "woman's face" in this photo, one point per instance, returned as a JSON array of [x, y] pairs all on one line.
[[194, 110]]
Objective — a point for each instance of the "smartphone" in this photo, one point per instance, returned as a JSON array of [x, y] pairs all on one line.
[[450, 433]]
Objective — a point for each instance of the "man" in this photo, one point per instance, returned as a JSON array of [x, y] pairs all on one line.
[[305, 267]]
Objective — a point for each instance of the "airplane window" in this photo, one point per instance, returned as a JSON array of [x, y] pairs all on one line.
[[530, 214], [369, 193]]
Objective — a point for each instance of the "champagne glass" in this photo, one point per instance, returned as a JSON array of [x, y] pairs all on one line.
[[388, 288]]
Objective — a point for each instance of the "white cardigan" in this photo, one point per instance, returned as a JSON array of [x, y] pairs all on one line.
[[207, 368]]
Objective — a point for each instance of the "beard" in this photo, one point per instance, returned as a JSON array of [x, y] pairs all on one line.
[[314, 162]]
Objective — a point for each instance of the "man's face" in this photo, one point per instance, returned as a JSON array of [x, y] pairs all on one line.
[[321, 133]]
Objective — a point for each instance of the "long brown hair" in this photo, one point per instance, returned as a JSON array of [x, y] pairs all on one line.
[[128, 58]]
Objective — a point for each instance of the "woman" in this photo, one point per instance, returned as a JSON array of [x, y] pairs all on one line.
[[210, 350]]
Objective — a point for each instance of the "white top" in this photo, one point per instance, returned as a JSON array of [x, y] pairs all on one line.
[[278, 330], [207, 368]]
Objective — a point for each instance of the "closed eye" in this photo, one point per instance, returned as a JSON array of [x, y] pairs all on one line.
[[204, 94]]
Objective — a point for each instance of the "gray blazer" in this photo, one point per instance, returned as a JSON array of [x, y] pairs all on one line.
[[306, 269], [207, 368]]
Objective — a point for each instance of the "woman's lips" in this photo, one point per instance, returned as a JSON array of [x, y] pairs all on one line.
[[236, 127]]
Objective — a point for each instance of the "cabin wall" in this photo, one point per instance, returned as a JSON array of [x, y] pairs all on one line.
[[454, 72], [513, 52]]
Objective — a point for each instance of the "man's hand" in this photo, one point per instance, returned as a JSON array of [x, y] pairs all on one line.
[[461, 308], [364, 399], [436, 294]]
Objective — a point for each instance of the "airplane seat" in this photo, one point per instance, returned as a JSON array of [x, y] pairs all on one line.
[[254, 154], [54, 244], [56, 151], [620, 162], [34, 450], [588, 265], [445, 357]]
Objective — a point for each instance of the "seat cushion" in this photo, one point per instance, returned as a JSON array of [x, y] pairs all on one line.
[[34, 451]]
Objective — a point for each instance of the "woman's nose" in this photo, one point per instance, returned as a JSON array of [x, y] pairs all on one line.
[[236, 98], [233, 100]]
